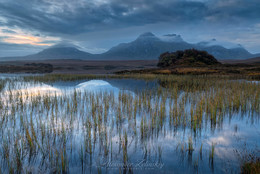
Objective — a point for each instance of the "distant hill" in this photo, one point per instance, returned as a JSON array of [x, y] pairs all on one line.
[[146, 47], [223, 53], [59, 53], [254, 61], [189, 57]]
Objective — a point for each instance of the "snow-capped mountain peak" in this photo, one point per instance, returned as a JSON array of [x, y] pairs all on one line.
[[147, 34], [215, 42], [171, 38]]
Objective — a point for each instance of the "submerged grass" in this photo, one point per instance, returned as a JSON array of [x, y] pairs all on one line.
[[251, 167], [55, 132], [2, 84]]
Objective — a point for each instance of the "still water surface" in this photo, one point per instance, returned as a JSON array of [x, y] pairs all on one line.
[[168, 149]]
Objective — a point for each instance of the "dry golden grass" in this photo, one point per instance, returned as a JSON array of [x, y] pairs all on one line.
[[251, 167], [164, 71], [196, 70]]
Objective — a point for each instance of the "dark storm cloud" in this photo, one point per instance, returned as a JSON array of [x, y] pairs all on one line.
[[80, 16], [79, 20], [68, 17], [234, 10]]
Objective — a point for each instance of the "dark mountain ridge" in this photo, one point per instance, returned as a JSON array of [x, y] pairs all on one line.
[[60, 53], [146, 47]]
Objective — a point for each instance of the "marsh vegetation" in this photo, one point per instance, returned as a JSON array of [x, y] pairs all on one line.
[[184, 124]]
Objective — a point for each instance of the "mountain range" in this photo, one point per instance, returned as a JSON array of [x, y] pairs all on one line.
[[146, 47]]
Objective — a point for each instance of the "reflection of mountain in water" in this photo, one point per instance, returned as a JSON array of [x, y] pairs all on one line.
[[131, 84], [27, 89], [96, 85], [89, 86], [93, 84], [121, 84]]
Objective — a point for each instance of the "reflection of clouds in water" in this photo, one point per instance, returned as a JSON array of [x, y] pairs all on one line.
[[33, 90], [226, 152], [28, 90], [228, 140], [220, 139], [224, 141], [40, 90]]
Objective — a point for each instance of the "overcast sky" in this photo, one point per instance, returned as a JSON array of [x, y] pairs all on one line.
[[28, 26]]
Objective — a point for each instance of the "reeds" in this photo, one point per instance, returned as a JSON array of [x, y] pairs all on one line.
[[69, 128], [211, 154]]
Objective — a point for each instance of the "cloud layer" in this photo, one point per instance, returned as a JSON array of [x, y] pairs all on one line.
[[67, 19]]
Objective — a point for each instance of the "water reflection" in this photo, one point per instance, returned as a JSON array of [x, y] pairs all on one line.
[[31, 89], [100, 125]]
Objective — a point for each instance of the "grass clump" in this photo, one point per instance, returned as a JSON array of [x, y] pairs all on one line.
[[251, 167]]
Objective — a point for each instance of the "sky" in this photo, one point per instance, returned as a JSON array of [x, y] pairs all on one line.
[[28, 26]]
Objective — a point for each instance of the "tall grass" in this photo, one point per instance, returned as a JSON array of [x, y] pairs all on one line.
[[55, 132]]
